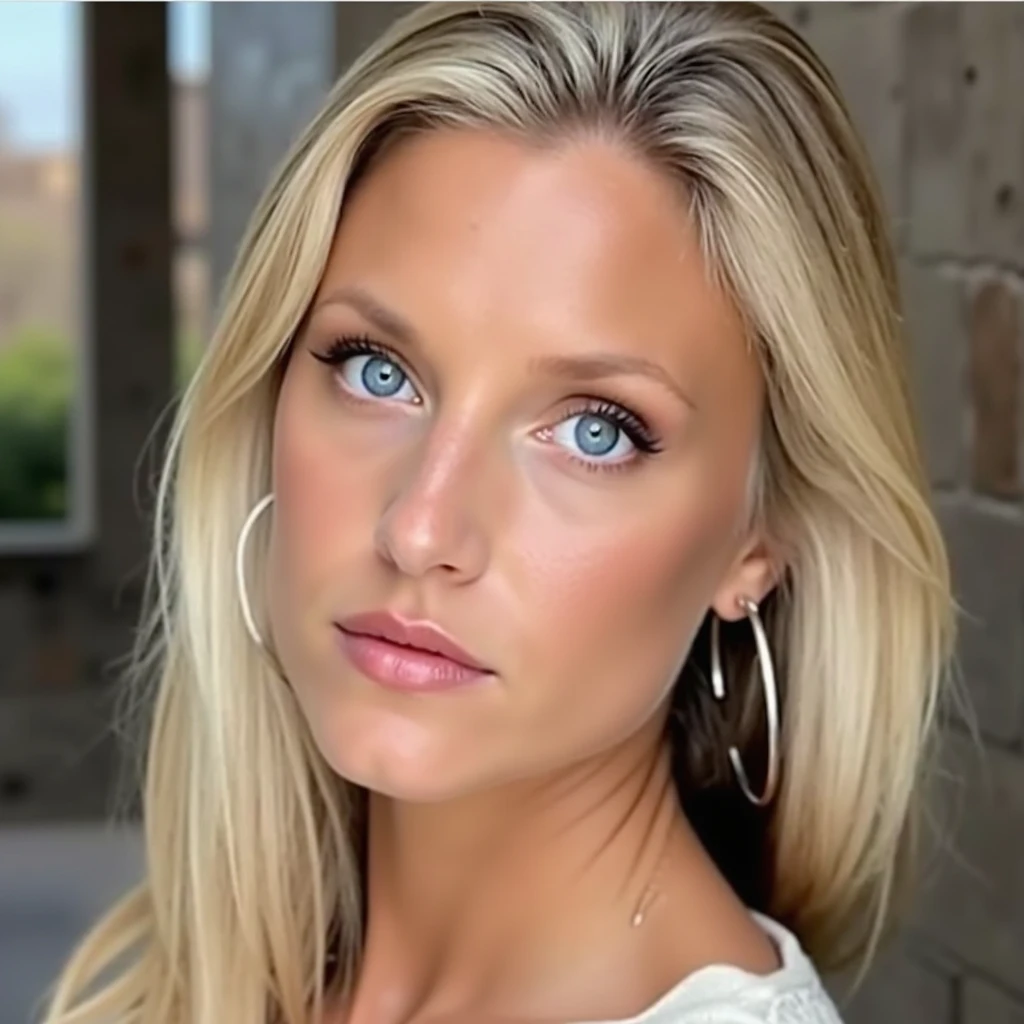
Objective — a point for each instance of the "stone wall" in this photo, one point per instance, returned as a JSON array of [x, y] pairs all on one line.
[[938, 92]]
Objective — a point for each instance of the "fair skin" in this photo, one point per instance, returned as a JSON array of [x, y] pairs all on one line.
[[517, 824]]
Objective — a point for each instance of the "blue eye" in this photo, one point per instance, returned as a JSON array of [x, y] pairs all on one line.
[[598, 433], [380, 377], [595, 436], [367, 371]]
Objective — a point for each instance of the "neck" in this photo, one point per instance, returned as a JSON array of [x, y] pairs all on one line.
[[503, 891]]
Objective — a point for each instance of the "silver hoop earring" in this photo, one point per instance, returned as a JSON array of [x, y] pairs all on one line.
[[771, 704], [243, 594]]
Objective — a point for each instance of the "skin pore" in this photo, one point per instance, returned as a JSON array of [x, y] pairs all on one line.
[[520, 304]]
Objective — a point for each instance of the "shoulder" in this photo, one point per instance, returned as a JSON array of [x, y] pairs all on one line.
[[722, 994]]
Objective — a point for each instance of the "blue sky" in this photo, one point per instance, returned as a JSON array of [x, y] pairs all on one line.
[[40, 64]]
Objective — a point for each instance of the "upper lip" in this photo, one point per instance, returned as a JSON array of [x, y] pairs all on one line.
[[424, 636]]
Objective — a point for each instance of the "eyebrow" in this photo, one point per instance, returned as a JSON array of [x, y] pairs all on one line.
[[580, 369], [587, 369], [384, 319]]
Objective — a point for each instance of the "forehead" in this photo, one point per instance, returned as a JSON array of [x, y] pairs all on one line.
[[579, 243]]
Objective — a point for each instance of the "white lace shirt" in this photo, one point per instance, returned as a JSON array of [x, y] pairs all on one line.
[[721, 994]]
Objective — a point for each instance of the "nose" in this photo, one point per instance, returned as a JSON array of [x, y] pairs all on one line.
[[436, 521]]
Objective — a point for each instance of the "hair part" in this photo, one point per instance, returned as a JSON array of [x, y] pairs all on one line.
[[253, 845]]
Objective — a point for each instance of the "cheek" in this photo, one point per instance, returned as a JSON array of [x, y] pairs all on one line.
[[618, 607], [318, 518]]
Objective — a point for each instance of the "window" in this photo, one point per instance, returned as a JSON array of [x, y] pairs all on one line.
[[189, 63], [44, 393]]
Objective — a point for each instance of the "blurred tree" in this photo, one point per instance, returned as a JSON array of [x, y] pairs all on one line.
[[36, 391], [36, 371]]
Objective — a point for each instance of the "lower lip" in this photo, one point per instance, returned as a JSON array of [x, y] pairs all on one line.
[[406, 668]]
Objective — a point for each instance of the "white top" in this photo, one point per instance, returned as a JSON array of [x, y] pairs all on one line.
[[722, 994]]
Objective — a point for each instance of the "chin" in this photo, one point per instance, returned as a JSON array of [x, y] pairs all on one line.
[[400, 780], [398, 758]]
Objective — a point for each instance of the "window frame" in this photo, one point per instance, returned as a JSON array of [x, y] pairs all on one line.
[[76, 531]]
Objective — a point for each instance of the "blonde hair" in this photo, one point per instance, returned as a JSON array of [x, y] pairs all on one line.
[[253, 846]]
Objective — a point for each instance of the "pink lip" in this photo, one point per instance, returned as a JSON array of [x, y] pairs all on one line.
[[406, 655]]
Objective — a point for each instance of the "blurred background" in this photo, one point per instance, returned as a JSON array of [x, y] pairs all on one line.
[[134, 140]]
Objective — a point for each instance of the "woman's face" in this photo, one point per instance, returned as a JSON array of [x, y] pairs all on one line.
[[519, 411]]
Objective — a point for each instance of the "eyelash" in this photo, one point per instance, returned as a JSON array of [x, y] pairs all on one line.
[[632, 426], [347, 346]]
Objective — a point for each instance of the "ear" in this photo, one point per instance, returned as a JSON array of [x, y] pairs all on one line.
[[752, 575]]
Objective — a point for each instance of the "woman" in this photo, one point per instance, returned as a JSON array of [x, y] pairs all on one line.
[[548, 613]]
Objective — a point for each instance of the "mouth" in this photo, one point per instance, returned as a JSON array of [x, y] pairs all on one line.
[[410, 656]]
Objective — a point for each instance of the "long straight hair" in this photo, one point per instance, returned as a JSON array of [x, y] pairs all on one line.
[[254, 874]]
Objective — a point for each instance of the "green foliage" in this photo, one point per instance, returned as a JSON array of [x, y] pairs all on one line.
[[36, 380], [37, 384]]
